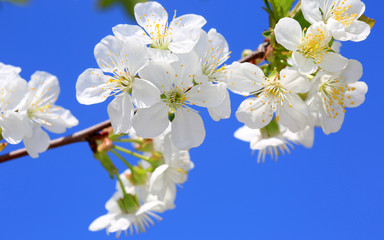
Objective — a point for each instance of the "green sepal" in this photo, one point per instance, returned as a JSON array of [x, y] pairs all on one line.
[[371, 22], [129, 203], [106, 162], [138, 176], [271, 130]]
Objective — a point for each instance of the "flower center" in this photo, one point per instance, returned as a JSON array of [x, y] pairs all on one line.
[[333, 91], [122, 83], [313, 45], [340, 14], [174, 99], [213, 58], [160, 39]]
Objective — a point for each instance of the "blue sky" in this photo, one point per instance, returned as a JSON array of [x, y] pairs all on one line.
[[333, 191]]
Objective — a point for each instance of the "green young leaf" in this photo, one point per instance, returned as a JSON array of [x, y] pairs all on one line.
[[282, 7], [371, 22], [106, 3], [127, 4], [17, 1], [300, 18]]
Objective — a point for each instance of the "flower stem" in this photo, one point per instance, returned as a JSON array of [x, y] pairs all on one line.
[[127, 140], [122, 159], [124, 150], [121, 183]]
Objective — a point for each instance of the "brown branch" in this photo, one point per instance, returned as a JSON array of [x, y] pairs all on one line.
[[80, 136], [89, 133], [259, 53]]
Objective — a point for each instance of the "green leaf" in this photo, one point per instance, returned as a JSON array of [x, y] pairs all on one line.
[[127, 4], [281, 7], [106, 3], [371, 22], [300, 18], [17, 1]]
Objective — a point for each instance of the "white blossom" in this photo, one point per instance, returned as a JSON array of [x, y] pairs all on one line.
[[276, 144], [119, 63], [39, 110], [134, 215], [213, 52], [340, 16], [276, 95], [172, 172], [180, 86], [13, 89], [331, 92], [164, 39], [311, 48]]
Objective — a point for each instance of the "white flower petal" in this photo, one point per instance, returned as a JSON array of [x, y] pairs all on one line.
[[244, 78], [155, 116], [58, 119], [303, 64], [311, 11], [120, 111], [294, 113], [254, 113], [44, 84], [291, 79], [14, 126], [124, 31], [159, 171], [355, 95], [149, 14], [333, 62], [246, 134], [223, 111], [38, 142], [358, 31], [144, 93], [184, 41], [207, 94], [352, 72], [288, 33], [161, 74], [107, 54], [135, 55], [187, 129], [90, 87], [332, 124], [101, 222]]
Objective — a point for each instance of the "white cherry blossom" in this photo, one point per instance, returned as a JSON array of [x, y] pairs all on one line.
[[164, 39], [180, 87], [174, 171], [340, 16], [213, 52], [310, 48], [39, 110], [133, 215], [332, 92], [274, 95], [12, 91], [119, 63], [275, 144]]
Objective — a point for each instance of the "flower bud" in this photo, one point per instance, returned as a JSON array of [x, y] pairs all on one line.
[[246, 52]]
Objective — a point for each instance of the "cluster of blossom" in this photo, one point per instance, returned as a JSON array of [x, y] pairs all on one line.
[[157, 75], [315, 90], [26, 107], [145, 190]]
